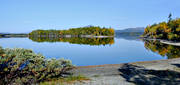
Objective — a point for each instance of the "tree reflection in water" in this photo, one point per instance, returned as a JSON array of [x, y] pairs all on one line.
[[162, 49], [76, 40]]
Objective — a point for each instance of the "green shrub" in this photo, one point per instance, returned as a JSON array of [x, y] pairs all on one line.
[[23, 66], [1, 51]]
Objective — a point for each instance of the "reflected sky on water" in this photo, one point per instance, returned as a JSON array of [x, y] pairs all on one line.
[[122, 51]]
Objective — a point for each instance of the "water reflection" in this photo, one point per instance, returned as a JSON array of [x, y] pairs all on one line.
[[162, 49], [75, 40]]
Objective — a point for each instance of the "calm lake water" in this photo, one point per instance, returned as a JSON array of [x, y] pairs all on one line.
[[122, 51]]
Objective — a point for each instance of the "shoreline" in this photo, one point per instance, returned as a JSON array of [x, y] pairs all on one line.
[[164, 41], [92, 66], [139, 62], [53, 36], [170, 42], [72, 36], [118, 74]]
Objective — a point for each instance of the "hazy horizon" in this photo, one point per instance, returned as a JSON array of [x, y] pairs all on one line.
[[20, 16]]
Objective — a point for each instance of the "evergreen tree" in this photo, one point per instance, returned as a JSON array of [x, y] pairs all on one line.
[[170, 17]]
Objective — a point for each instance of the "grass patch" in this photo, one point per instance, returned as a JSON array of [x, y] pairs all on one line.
[[96, 76], [63, 81], [176, 69]]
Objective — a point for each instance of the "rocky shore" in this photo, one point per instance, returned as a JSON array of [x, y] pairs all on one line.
[[170, 42], [161, 72], [164, 41]]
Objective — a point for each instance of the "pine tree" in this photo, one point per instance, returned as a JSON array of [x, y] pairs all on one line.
[[170, 17]]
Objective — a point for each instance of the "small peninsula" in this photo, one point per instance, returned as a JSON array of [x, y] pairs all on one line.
[[169, 31]]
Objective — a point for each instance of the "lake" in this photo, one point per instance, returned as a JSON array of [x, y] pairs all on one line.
[[121, 50]]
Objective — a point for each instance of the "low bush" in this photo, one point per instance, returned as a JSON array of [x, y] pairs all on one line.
[[23, 66]]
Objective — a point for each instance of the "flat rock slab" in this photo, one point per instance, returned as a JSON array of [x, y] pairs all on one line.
[[162, 72]]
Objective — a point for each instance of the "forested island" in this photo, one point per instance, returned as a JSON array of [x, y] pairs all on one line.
[[89, 31], [1, 35], [164, 30]]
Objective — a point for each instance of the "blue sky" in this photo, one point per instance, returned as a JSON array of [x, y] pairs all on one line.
[[21, 16]]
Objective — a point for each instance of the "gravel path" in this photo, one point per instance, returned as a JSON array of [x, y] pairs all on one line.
[[162, 72]]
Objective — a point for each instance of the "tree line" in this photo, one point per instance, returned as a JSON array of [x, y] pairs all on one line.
[[169, 30], [88, 30], [1, 35]]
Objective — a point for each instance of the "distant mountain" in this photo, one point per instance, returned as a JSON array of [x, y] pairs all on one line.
[[2, 33], [137, 29], [8, 35], [11, 33], [130, 33]]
